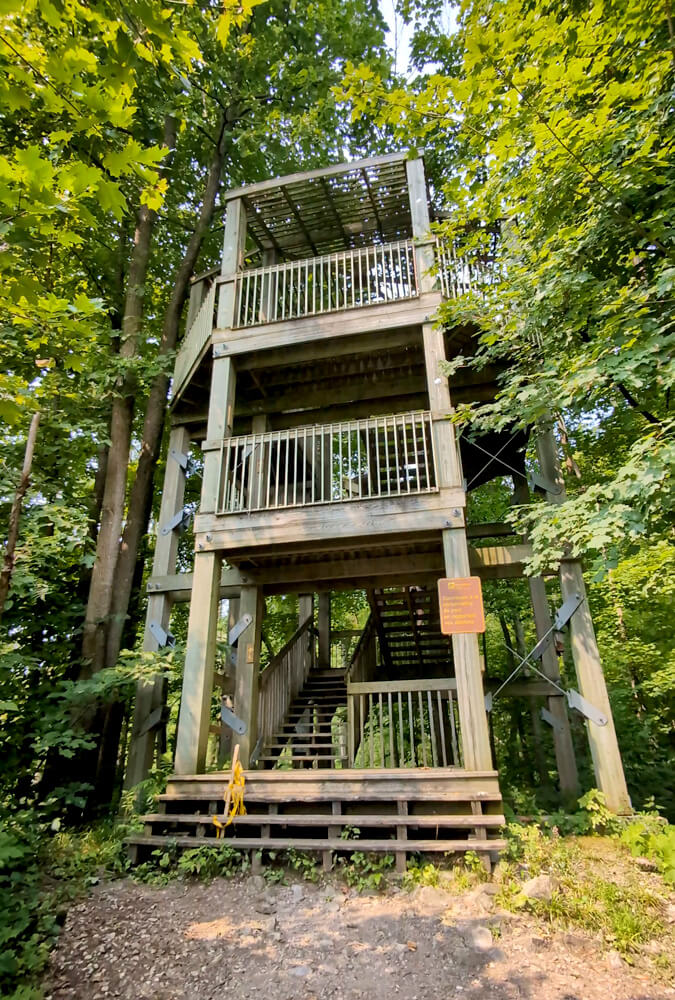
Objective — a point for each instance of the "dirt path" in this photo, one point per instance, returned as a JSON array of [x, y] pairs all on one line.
[[240, 938]]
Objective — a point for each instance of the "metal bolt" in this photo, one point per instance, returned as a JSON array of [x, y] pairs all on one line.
[[209, 538], [200, 546], [456, 512]]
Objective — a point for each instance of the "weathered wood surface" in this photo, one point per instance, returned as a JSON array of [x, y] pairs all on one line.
[[333, 844], [330, 326], [499, 560], [604, 745], [355, 521], [330, 819]]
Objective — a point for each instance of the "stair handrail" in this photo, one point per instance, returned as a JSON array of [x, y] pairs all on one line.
[[362, 666], [283, 678]]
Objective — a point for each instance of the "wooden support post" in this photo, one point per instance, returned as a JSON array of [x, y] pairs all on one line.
[[607, 763], [305, 607], [448, 462], [562, 733], [234, 242], [470, 697], [195, 708], [419, 213], [221, 415], [401, 835], [223, 375], [248, 668], [150, 694], [333, 834], [324, 630]]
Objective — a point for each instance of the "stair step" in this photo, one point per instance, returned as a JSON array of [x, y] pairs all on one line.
[[297, 745], [323, 844], [329, 819], [308, 758]]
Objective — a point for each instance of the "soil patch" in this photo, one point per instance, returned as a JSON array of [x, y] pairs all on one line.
[[243, 938]]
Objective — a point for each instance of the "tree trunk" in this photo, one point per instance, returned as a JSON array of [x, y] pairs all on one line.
[[112, 510], [153, 426], [15, 513], [140, 499]]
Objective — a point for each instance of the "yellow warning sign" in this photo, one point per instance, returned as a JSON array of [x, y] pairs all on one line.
[[461, 605]]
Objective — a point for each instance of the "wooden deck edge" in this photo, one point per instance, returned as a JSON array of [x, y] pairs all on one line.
[[377, 774], [326, 844], [329, 819]]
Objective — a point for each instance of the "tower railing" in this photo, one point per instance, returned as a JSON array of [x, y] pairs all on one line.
[[404, 723], [346, 280], [376, 457]]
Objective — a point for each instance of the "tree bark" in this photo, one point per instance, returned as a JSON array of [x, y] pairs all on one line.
[[15, 513], [153, 426], [112, 510], [140, 498]]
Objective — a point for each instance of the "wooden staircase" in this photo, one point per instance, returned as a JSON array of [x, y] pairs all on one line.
[[307, 737], [305, 797], [420, 810], [408, 628]]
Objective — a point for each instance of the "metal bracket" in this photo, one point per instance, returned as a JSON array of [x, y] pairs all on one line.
[[585, 708], [562, 616], [541, 484], [564, 613], [179, 456], [156, 719], [233, 721], [253, 759], [162, 637], [181, 519], [238, 628], [554, 723], [488, 701]]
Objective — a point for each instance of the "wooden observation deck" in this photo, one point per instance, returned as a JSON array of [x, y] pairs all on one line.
[[310, 381]]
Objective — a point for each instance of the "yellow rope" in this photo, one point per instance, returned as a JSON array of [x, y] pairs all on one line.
[[234, 795]]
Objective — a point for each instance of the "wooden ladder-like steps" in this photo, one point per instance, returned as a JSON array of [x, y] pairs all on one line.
[[333, 844], [399, 811]]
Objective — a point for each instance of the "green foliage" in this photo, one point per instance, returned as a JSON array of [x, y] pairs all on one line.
[[207, 862], [623, 912], [217, 860], [549, 130], [364, 871], [424, 875], [42, 869], [649, 837], [303, 864]]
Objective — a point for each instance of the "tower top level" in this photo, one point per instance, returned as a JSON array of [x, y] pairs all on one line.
[[317, 212]]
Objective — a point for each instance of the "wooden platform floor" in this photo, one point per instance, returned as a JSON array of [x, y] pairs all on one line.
[[399, 811]]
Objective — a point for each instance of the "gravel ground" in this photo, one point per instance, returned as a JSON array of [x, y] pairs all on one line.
[[243, 938]]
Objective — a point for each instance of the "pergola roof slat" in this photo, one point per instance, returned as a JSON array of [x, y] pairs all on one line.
[[327, 210]]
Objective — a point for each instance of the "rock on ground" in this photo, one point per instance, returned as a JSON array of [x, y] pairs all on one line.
[[242, 938]]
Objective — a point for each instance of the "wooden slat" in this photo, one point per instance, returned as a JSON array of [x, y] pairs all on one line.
[[332, 844], [319, 819]]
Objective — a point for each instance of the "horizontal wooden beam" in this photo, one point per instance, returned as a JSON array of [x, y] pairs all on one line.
[[339, 574], [347, 521], [308, 175], [294, 353], [332, 327]]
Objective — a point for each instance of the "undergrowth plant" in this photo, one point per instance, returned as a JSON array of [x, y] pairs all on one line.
[[625, 916], [364, 871], [204, 863]]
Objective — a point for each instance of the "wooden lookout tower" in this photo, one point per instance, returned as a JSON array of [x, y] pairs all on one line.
[[309, 379]]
